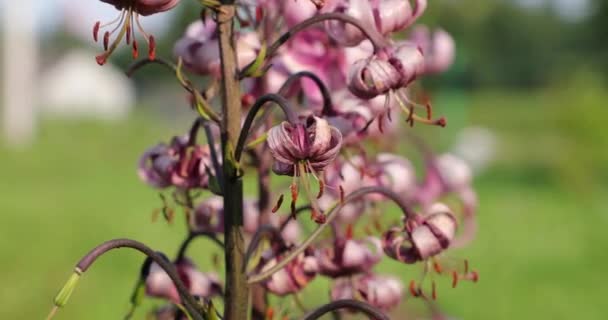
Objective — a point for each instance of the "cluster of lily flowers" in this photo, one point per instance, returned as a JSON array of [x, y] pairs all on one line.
[[347, 81]]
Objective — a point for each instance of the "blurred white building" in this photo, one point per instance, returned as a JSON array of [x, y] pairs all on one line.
[[76, 87]]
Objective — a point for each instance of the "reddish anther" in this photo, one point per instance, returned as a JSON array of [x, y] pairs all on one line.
[[96, 30]]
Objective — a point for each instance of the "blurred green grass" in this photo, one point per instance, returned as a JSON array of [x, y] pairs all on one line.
[[540, 249]]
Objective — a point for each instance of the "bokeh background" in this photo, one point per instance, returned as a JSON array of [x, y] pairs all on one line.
[[526, 95]]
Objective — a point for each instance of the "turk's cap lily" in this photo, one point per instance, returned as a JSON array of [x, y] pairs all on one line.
[[383, 292], [177, 164], [160, 285], [293, 277], [438, 47], [348, 257], [393, 69], [199, 48], [386, 16], [421, 237], [314, 141]]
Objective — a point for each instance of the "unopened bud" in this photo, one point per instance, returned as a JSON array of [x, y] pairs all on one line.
[[64, 294]]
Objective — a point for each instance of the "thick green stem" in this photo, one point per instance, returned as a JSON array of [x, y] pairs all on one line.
[[237, 289]]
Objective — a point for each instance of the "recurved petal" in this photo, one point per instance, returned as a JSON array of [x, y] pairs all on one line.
[[281, 146], [321, 135]]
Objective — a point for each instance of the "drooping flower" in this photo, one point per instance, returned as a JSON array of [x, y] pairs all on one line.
[[159, 284], [199, 48], [301, 149], [347, 257], [389, 73], [422, 239], [177, 164], [446, 175], [386, 16], [293, 277], [125, 24], [438, 48], [383, 292]]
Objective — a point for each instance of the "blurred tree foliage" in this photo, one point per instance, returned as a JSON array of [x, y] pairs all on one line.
[[503, 44]]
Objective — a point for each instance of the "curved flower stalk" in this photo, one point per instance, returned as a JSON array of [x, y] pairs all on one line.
[[125, 24], [178, 164], [383, 292], [422, 238], [437, 47], [304, 149], [386, 16]]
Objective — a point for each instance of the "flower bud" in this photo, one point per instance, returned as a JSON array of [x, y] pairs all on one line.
[[61, 299]]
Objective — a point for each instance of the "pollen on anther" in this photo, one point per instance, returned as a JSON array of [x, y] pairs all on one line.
[[101, 59], [413, 288], [96, 30], [135, 51], [106, 40], [321, 188], [151, 48], [442, 122], [454, 279], [277, 206], [437, 267]]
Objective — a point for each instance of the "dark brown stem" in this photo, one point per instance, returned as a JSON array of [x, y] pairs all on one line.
[[328, 107], [360, 306], [271, 97], [91, 257], [236, 296], [372, 34]]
